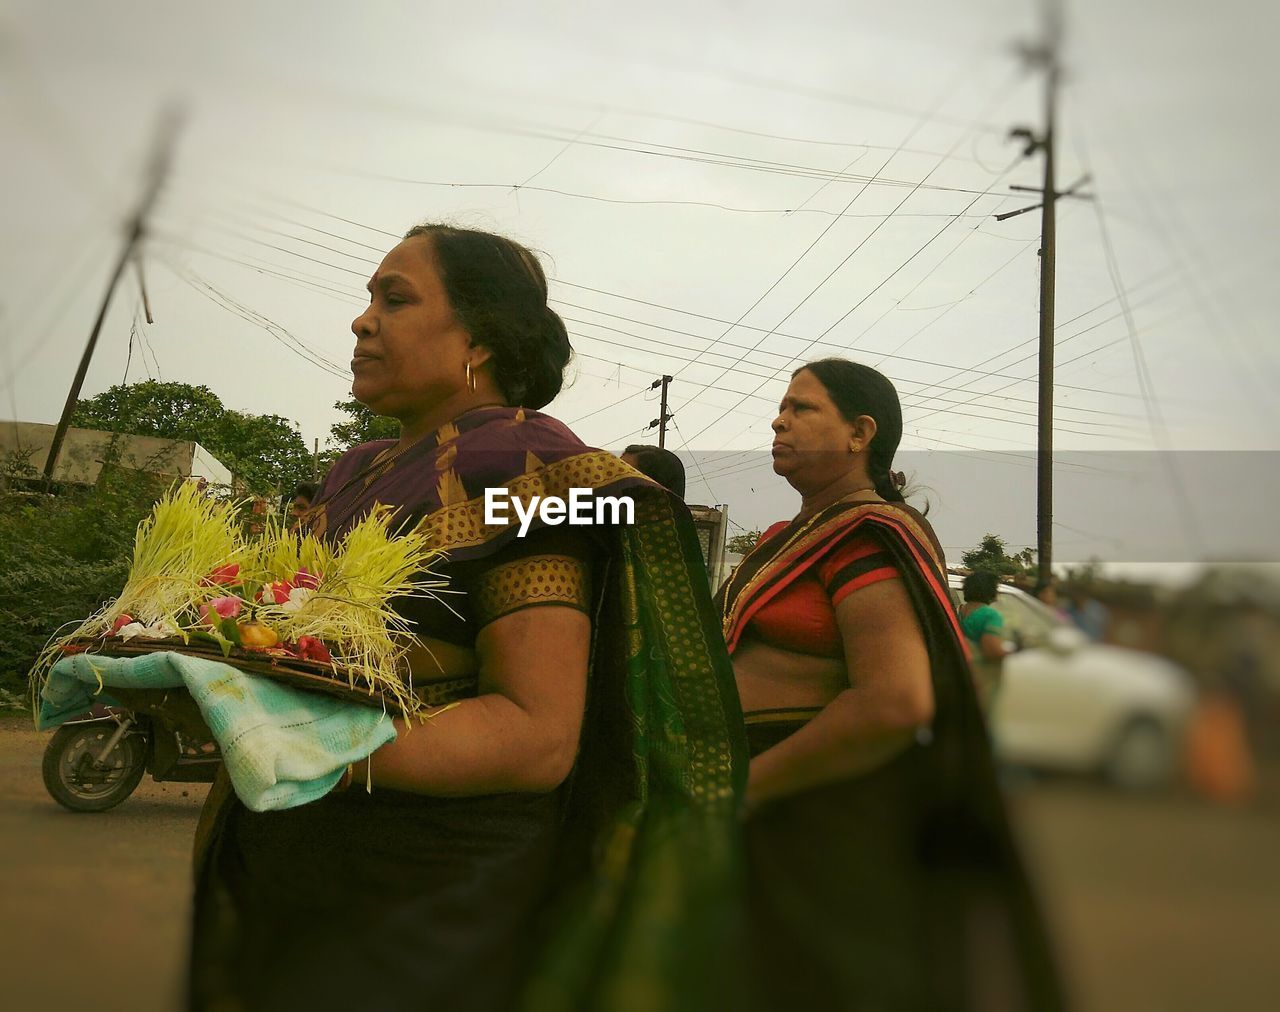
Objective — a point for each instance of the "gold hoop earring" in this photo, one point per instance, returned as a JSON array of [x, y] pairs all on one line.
[[471, 376]]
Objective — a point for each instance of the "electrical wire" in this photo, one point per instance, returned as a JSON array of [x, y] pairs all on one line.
[[283, 336]]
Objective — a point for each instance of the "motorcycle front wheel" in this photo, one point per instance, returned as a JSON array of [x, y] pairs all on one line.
[[76, 781]]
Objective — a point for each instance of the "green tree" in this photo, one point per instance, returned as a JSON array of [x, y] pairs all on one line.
[[263, 451], [152, 408], [991, 555], [360, 426], [742, 543]]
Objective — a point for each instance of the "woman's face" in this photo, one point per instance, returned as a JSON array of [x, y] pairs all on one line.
[[812, 441], [410, 352]]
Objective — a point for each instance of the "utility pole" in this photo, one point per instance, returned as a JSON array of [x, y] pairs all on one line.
[[157, 168], [664, 415], [1044, 55]]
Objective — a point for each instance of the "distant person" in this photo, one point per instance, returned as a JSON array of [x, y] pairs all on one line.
[[983, 627], [1048, 596], [303, 495], [255, 522], [1089, 614], [661, 465]]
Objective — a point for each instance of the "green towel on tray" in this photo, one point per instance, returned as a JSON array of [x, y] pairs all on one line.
[[281, 746]]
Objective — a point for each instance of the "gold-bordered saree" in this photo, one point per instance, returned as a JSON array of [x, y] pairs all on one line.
[[901, 888], [642, 896]]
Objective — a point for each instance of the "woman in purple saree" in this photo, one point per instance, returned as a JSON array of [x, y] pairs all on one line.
[[565, 834]]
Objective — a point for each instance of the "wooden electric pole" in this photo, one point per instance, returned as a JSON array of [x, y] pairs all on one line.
[[663, 414], [1044, 55], [157, 168], [1048, 257]]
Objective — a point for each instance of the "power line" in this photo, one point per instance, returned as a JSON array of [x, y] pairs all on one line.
[[279, 333], [295, 238], [294, 253], [949, 308], [684, 445], [821, 235], [652, 201], [811, 344], [334, 266], [773, 373], [353, 299], [685, 312], [311, 281], [804, 91], [133, 334], [961, 370], [1146, 385], [609, 407], [1060, 365], [755, 394]]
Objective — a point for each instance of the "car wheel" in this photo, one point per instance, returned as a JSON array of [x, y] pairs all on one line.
[[1142, 757]]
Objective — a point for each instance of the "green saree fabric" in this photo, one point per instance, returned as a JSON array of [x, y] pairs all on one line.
[[654, 924]]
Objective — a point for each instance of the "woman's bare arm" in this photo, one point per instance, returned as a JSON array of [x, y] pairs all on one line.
[[890, 696], [520, 734], [992, 646]]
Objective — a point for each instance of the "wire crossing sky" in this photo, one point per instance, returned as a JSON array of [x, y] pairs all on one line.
[[721, 192]]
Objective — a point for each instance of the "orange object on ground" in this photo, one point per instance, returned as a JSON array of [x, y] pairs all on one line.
[[1219, 762]]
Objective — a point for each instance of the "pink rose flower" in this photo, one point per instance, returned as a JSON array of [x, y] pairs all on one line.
[[222, 607]]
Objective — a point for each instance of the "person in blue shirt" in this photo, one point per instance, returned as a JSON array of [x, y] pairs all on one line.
[[983, 627], [1089, 615]]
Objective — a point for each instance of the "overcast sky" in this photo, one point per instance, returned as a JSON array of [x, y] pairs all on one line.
[[684, 168]]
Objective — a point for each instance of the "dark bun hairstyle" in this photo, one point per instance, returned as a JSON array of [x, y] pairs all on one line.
[[857, 390], [498, 292]]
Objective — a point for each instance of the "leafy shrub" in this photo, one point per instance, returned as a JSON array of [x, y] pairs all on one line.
[[61, 557]]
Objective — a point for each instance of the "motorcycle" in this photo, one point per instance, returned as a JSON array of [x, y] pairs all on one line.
[[95, 761]]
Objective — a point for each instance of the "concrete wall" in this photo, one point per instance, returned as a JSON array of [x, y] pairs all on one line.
[[84, 450]]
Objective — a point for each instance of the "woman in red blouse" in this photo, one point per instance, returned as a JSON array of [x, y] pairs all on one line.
[[882, 871]]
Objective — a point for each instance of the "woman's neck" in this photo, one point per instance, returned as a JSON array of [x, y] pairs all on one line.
[[413, 428], [816, 500]]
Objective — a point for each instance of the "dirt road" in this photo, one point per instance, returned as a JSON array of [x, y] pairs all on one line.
[[94, 909], [1161, 904]]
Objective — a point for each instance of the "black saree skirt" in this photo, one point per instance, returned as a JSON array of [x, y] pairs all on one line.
[[862, 898], [382, 901], [834, 893]]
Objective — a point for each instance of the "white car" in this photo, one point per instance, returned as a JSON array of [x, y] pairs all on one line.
[[1068, 704]]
